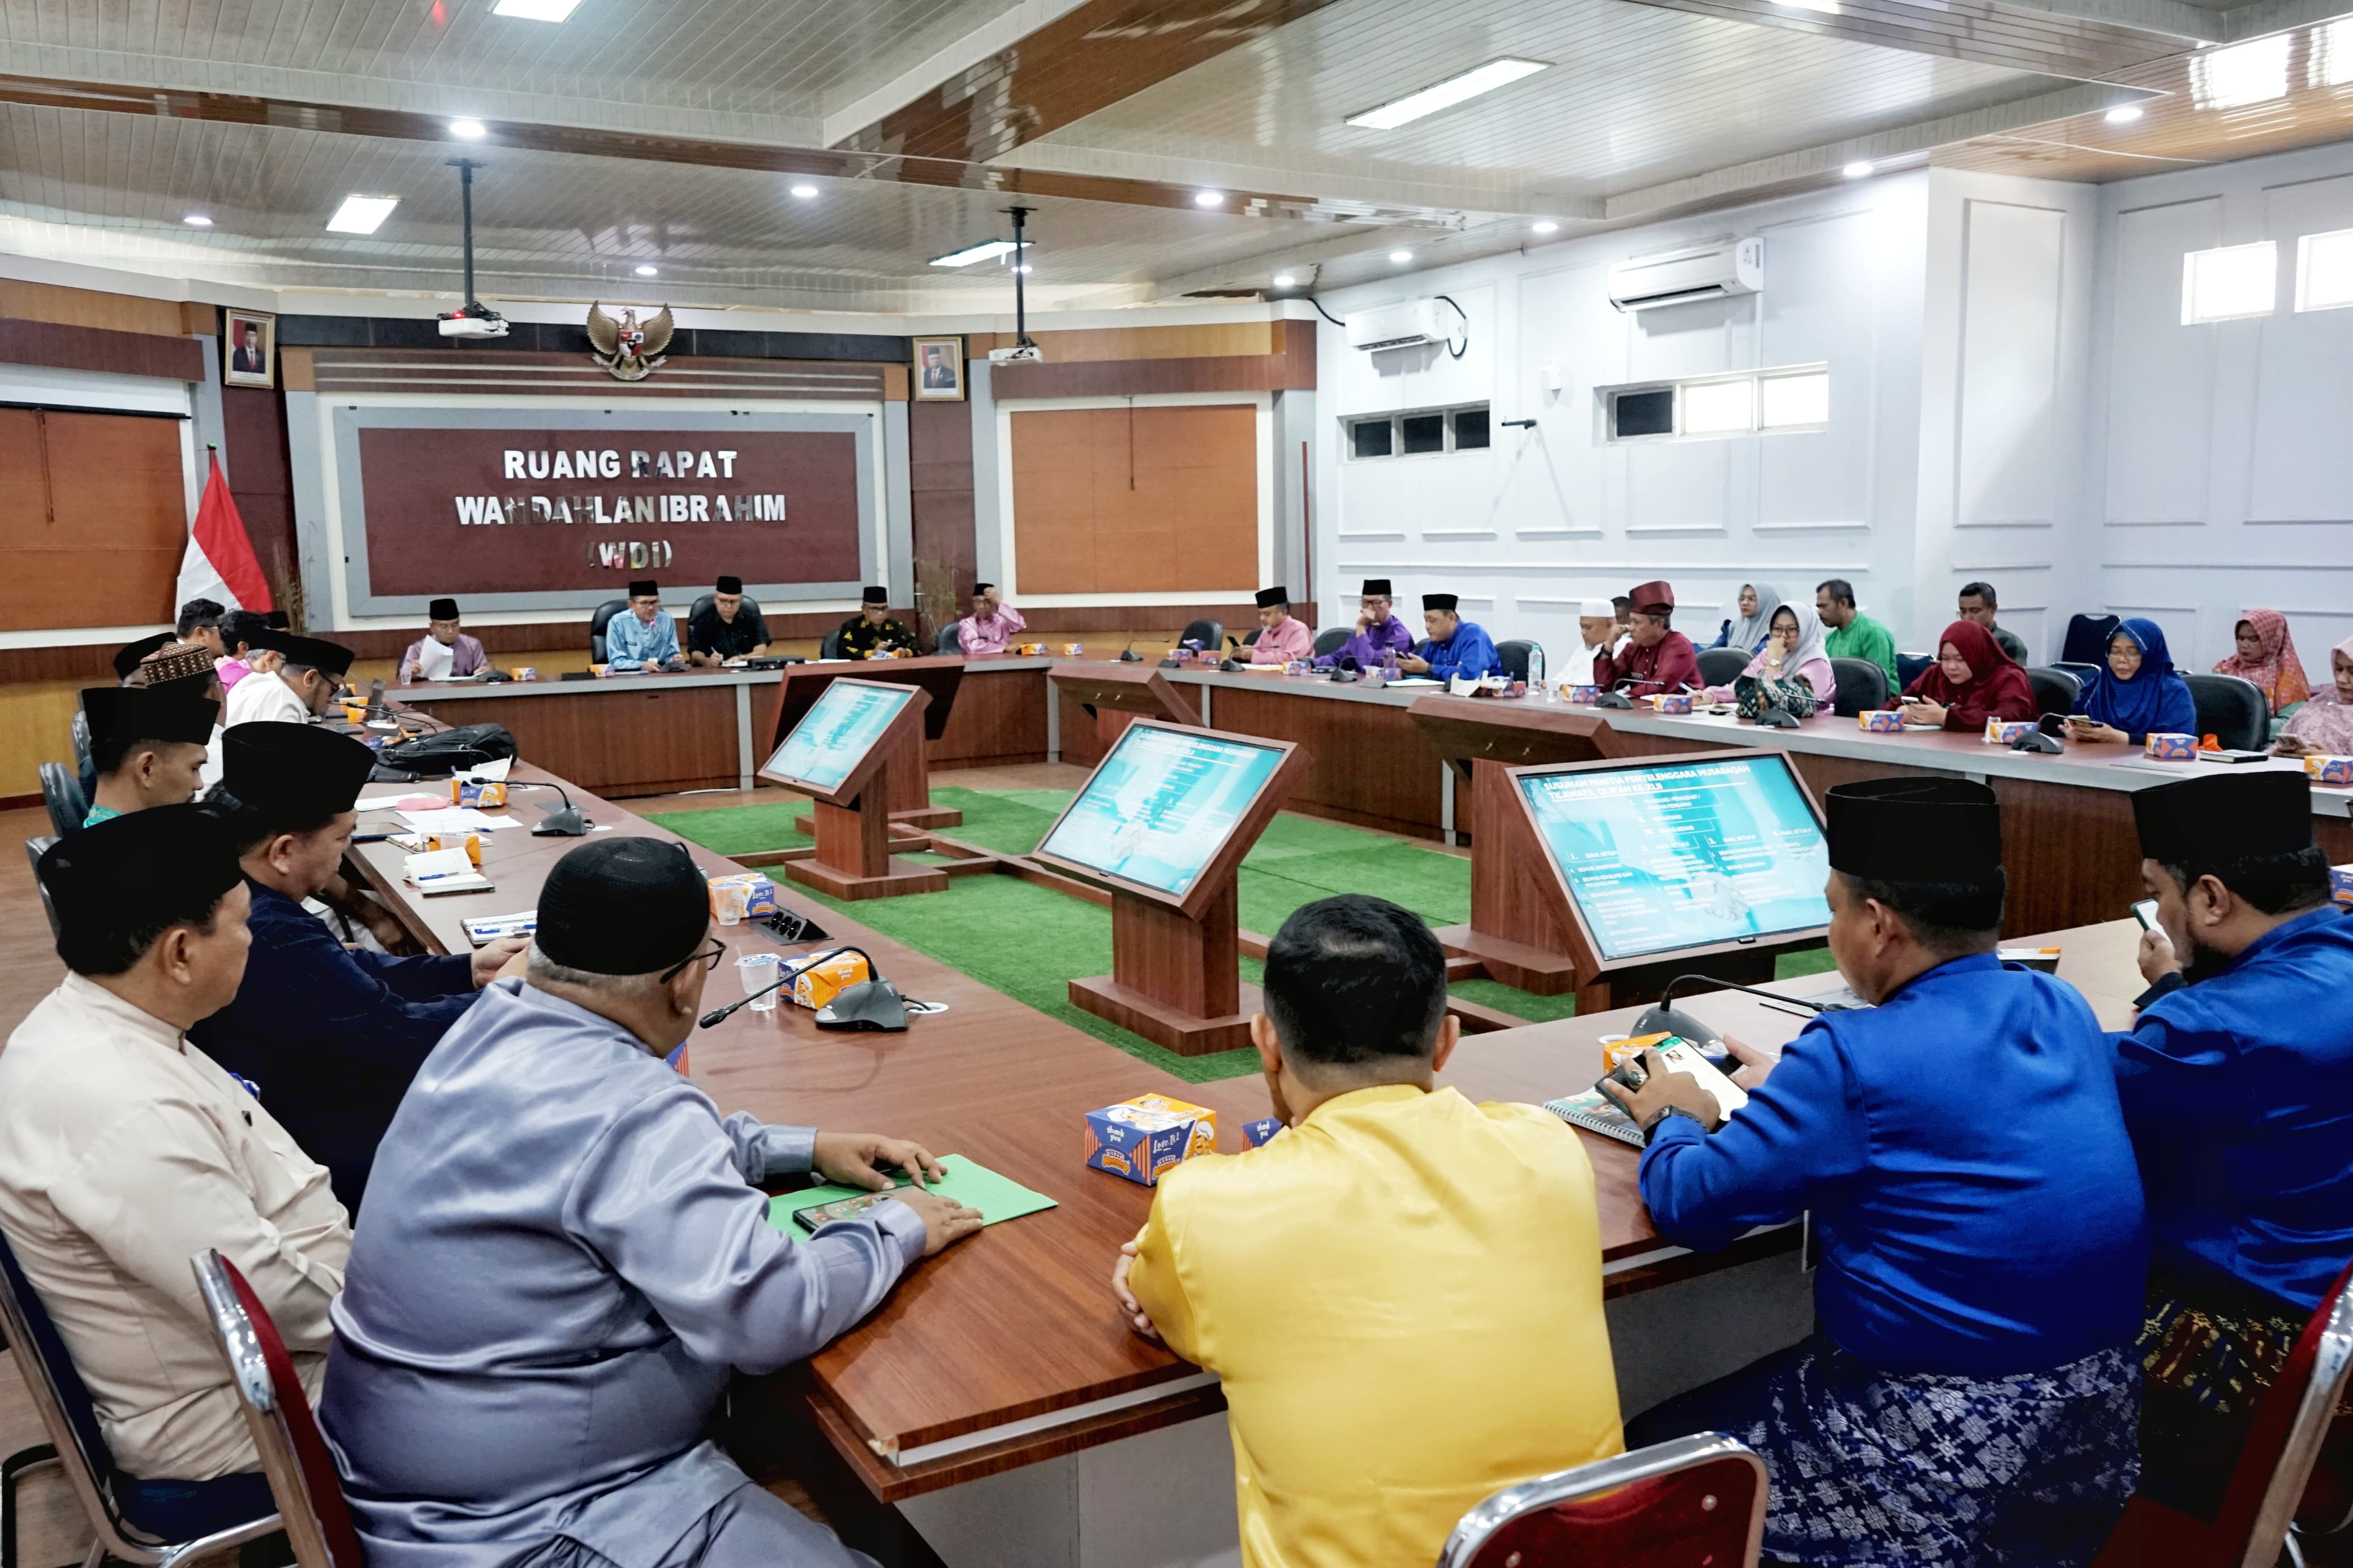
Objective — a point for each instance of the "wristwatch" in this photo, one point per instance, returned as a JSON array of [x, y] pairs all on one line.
[[1650, 1128]]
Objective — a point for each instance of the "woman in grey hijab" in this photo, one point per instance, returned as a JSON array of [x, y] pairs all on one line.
[[1746, 631]]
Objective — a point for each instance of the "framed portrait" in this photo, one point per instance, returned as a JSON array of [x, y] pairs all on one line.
[[939, 370], [249, 348]]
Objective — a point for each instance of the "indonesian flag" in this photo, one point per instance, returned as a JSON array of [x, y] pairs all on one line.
[[220, 563]]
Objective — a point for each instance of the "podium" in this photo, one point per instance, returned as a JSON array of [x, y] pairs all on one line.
[[1111, 696], [841, 754], [1163, 824], [911, 771]]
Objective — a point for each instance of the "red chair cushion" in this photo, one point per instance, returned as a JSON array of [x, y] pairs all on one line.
[[1693, 1519], [320, 1478]]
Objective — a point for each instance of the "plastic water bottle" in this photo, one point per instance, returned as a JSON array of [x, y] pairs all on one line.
[[1389, 663], [1536, 671]]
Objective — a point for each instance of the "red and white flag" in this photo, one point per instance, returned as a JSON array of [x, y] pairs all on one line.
[[220, 563]]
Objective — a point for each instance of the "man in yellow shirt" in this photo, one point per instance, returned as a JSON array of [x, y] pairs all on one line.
[[1401, 1291]]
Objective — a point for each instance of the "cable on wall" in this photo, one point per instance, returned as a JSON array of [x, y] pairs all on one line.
[[1451, 352]]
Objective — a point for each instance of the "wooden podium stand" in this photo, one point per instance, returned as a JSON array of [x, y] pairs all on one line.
[[1176, 974], [911, 771], [1114, 695], [852, 822]]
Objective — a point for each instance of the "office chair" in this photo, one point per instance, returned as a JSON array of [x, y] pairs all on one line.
[[1331, 640], [1722, 666], [1692, 1500], [1910, 667], [1207, 634], [34, 850], [1862, 687], [603, 612], [2087, 639], [2232, 709], [831, 645], [61, 792], [1516, 654], [950, 638], [2055, 690]]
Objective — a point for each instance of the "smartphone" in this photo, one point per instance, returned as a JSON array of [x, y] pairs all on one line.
[[2145, 911], [1680, 1056], [2081, 718], [808, 1219]]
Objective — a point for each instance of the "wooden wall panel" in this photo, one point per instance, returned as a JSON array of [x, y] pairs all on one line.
[[91, 308], [1136, 500], [262, 479], [104, 520], [939, 463]]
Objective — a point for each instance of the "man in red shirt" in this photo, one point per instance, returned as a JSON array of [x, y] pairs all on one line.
[[1659, 658]]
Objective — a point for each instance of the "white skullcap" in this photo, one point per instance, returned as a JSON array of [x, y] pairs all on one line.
[[1598, 608]]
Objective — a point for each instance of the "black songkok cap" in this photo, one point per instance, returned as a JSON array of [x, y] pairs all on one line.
[[1439, 602], [622, 906], [982, 587], [278, 619], [441, 610], [270, 639], [315, 653], [127, 656], [118, 873], [1268, 598], [1914, 830], [292, 773], [2227, 816], [128, 713], [728, 586], [874, 595], [1375, 588], [645, 587]]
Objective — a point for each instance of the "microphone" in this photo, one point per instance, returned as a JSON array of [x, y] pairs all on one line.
[[1128, 654], [720, 1015], [565, 824], [1613, 698], [1664, 1017]]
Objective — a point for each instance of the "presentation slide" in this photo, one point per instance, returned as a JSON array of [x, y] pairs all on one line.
[[834, 734], [1684, 854], [1160, 805]]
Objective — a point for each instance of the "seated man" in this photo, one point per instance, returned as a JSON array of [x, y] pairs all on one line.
[[643, 638], [1854, 635], [2237, 1080], [1597, 627], [616, 1257], [309, 674], [1281, 639], [200, 622], [1325, 1275], [329, 1036], [1380, 636], [242, 654], [1970, 1393], [993, 623], [443, 651], [127, 657], [184, 672], [1976, 604], [1454, 647], [1655, 658], [873, 632], [725, 629], [147, 745], [124, 1153]]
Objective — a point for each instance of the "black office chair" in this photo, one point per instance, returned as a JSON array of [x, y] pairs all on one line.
[[2232, 709], [61, 792], [830, 647], [1722, 666], [1331, 640], [34, 850], [605, 612], [1208, 636], [1514, 653], [2055, 690], [1862, 687], [79, 731], [1910, 667], [1250, 638], [2084, 674], [950, 639], [2087, 639]]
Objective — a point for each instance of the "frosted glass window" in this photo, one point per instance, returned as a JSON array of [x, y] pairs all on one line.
[[2331, 59], [2324, 271], [2225, 285], [1789, 400], [2241, 74], [1719, 407]]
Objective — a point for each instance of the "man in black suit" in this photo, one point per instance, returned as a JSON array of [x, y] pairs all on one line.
[[248, 359]]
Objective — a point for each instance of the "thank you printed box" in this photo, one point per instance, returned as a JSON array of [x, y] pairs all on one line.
[[1141, 1138], [2167, 748], [1583, 695], [1880, 722], [1255, 1134], [1675, 702], [2329, 770], [2008, 731]]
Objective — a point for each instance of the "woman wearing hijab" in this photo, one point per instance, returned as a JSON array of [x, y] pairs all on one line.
[[1971, 681], [1791, 671], [1749, 631], [2137, 694], [2267, 655], [2324, 726]]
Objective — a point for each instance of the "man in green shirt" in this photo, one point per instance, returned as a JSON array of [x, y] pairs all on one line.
[[1976, 604], [1854, 635]]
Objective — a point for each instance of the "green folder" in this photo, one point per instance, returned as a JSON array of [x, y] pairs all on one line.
[[974, 1186]]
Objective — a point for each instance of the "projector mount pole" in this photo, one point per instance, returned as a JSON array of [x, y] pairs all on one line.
[[1020, 270], [466, 167]]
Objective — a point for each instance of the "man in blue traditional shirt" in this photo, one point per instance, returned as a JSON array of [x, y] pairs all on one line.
[[329, 1036], [1379, 634], [1454, 647], [2237, 1081], [1971, 1392], [642, 638]]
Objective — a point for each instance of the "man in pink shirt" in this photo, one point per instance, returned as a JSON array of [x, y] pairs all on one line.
[[992, 624], [1281, 640]]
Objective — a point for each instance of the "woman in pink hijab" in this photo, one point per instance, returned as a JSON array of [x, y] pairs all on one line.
[[2267, 655], [2325, 725]]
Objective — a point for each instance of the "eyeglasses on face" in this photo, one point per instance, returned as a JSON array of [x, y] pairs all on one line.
[[709, 958]]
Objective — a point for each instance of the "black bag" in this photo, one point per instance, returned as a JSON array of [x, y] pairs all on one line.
[[445, 751]]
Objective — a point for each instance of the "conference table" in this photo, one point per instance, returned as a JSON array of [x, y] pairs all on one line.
[[996, 1396]]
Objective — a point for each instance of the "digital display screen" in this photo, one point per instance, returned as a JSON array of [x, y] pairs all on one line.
[[1161, 804], [1684, 854], [834, 736]]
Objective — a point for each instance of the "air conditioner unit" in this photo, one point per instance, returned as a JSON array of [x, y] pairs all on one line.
[[1702, 273], [1399, 326]]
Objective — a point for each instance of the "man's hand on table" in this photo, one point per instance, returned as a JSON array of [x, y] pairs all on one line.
[[946, 1221], [497, 960], [864, 1160], [1666, 1089], [1413, 664], [1129, 1307], [1757, 1062]]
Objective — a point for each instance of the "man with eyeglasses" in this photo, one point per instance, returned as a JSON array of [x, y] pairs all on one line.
[[1379, 634], [617, 1259]]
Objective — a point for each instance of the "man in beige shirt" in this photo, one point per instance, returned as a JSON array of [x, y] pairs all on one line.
[[124, 1151]]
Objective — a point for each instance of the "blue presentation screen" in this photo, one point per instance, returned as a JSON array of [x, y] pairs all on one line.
[[1684, 854], [834, 734], [1160, 805]]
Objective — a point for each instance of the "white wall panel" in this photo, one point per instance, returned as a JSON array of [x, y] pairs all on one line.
[[2303, 466], [1821, 307], [2013, 268], [2160, 379]]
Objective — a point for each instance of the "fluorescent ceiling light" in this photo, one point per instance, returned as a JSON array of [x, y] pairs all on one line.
[[2123, 114], [1286, 280], [1856, 169], [1208, 198], [805, 192], [197, 220], [2245, 74], [646, 269], [1023, 267], [362, 214], [536, 10], [2329, 55], [1827, 7], [1544, 225], [1447, 93], [987, 249], [470, 130], [1400, 256]]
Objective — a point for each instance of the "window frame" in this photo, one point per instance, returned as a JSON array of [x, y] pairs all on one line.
[[1446, 413], [1755, 381]]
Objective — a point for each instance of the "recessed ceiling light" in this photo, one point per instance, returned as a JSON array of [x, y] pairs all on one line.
[[536, 10], [470, 130], [987, 249], [2123, 114], [1208, 198], [1544, 225], [1447, 93], [1856, 169], [197, 220], [805, 192], [648, 270], [1400, 256], [1286, 280], [1023, 268], [362, 214]]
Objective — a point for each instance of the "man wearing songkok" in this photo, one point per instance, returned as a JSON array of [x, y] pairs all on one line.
[[147, 746], [299, 689], [725, 629], [1655, 658], [125, 1152], [1597, 628], [617, 1259], [1392, 1228], [127, 656], [642, 638], [184, 672], [1282, 637], [993, 623], [1970, 1394], [2237, 1080], [329, 1036], [444, 652], [874, 632], [1379, 634], [1454, 647]]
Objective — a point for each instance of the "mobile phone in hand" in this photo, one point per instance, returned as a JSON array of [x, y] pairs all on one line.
[[2145, 911]]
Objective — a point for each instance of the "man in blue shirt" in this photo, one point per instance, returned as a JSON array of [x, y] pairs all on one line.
[[1971, 1392], [1378, 633], [644, 638], [2237, 1081], [1455, 646]]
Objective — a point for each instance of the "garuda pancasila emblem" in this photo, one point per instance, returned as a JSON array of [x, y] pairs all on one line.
[[627, 349]]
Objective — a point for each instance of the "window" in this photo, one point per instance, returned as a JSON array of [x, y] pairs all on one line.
[[2230, 284], [2324, 271], [1420, 432], [1423, 433], [1785, 399], [1720, 407], [1373, 438], [1470, 428], [2330, 58], [1644, 414]]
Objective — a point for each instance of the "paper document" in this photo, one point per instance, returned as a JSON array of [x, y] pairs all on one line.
[[379, 802], [454, 819], [975, 1186]]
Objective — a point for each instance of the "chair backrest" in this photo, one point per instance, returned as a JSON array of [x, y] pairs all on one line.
[[829, 646], [2087, 638], [34, 850], [2055, 690], [61, 792], [58, 1394], [2232, 709], [294, 1455], [603, 613], [1910, 667], [702, 603], [1514, 652], [1862, 687], [79, 731], [2084, 673], [1250, 638], [2291, 1424], [1694, 1500], [1722, 666], [1208, 636], [950, 638], [1330, 639]]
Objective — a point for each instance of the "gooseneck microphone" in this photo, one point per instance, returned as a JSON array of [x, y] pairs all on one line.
[[566, 823]]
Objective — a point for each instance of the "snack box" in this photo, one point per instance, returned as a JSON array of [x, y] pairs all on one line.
[[1073, 649], [471, 843], [2008, 731], [2329, 770], [2340, 883], [2045, 959], [1142, 1137], [466, 792], [1881, 721], [1256, 1134], [526, 672], [744, 894], [1675, 702], [1617, 1050], [2172, 748], [1583, 695]]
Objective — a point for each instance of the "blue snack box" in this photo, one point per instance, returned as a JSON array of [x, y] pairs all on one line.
[[1255, 1134], [1141, 1138]]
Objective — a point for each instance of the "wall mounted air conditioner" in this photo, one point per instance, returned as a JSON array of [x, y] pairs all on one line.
[[1702, 273], [1399, 326]]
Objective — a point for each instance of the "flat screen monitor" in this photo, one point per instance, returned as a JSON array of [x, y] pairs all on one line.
[[1161, 806], [834, 736], [1673, 855]]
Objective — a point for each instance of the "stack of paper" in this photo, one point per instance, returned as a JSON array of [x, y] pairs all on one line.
[[454, 819], [443, 871]]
